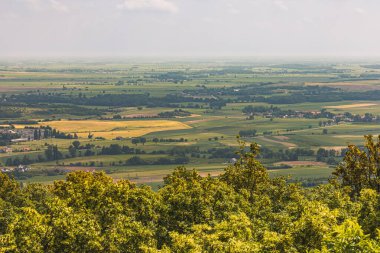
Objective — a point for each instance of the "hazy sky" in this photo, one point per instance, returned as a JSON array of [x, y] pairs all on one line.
[[189, 28]]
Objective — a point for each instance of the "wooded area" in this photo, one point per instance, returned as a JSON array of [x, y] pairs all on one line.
[[242, 210]]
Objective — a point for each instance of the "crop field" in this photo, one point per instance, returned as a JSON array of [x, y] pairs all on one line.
[[357, 85], [139, 121], [349, 106], [113, 129]]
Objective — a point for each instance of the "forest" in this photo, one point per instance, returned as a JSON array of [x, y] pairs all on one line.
[[241, 210]]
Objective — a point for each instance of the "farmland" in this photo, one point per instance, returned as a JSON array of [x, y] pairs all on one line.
[[140, 120], [113, 129]]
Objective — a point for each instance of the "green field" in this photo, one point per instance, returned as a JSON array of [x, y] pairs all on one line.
[[87, 98]]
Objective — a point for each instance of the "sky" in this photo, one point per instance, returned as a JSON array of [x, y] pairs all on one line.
[[191, 28]]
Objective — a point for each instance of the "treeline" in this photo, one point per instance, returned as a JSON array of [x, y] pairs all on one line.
[[135, 161], [7, 112], [45, 132], [242, 210], [71, 110], [273, 111], [323, 97], [248, 133], [129, 100], [52, 153], [175, 77], [21, 122], [332, 156], [285, 155], [5, 138], [116, 149], [156, 140], [25, 160], [263, 92], [173, 114], [169, 114], [261, 88]]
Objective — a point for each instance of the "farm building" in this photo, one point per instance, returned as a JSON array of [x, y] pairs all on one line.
[[6, 150]]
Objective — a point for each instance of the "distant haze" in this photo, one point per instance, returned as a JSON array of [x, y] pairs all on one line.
[[155, 28]]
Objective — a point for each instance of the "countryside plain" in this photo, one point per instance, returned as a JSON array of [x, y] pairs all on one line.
[[139, 121]]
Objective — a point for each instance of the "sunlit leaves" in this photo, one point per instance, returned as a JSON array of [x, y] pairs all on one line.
[[243, 210]]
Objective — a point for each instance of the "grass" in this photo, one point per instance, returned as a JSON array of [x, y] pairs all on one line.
[[153, 175], [304, 172]]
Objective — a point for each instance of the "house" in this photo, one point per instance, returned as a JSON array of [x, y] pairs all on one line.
[[22, 168], [4, 170], [25, 149], [19, 140], [233, 161], [6, 150]]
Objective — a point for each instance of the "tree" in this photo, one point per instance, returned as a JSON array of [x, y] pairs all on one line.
[[135, 141], [46, 133], [236, 232], [52, 153], [185, 192], [247, 173], [349, 237], [76, 144], [135, 160], [72, 151], [35, 134], [29, 231], [360, 168]]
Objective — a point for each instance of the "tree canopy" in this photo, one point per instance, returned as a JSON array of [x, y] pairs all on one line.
[[242, 210]]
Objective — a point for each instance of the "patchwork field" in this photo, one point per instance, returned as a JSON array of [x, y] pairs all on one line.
[[188, 113]]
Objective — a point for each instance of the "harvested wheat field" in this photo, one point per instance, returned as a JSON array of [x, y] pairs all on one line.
[[113, 129], [358, 105]]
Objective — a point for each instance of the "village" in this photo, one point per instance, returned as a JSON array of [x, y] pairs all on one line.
[[19, 169]]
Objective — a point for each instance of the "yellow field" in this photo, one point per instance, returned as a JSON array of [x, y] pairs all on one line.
[[350, 106], [113, 129]]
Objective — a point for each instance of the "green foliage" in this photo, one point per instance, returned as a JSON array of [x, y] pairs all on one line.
[[349, 237], [248, 173], [243, 210], [360, 168]]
